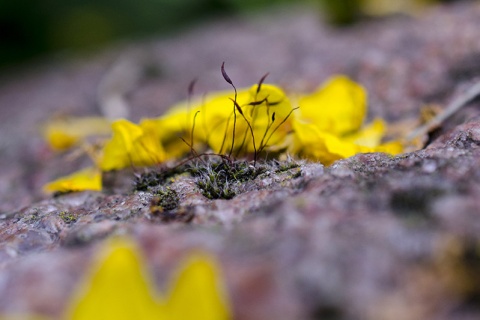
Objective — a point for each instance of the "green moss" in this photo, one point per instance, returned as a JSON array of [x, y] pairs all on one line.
[[296, 174], [154, 178], [32, 218], [67, 217], [223, 179], [282, 166], [165, 199]]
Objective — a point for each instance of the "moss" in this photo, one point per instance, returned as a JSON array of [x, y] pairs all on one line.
[[283, 166], [165, 199], [296, 174], [154, 178], [223, 179], [165, 205], [68, 217], [32, 218], [148, 180]]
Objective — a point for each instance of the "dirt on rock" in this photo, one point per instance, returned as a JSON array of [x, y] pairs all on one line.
[[370, 237]]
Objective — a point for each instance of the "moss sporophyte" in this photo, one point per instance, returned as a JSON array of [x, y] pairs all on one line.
[[251, 123]]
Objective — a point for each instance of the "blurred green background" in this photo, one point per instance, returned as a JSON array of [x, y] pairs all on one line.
[[32, 28]]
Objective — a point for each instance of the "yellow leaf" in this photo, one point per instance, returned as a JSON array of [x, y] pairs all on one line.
[[169, 129], [369, 136], [132, 144], [220, 122], [270, 120], [197, 293], [330, 124], [214, 125], [86, 179], [147, 149], [116, 151], [391, 147], [117, 288], [63, 133], [338, 107], [312, 143]]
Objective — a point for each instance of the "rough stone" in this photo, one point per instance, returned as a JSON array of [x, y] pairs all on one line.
[[370, 237]]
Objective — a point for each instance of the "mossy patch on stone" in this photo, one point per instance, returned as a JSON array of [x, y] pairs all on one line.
[[223, 179], [154, 178], [165, 205], [68, 217], [165, 199], [32, 218]]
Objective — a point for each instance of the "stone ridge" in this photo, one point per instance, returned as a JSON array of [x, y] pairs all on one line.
[[370, 237]]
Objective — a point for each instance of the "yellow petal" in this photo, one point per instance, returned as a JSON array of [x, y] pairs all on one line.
[[391, 147], [147, 149], [86, 179], [266, 112], [197, 293], [340, 148], [117, 149], [132, 144], [306, 140], [59, 140], [117, 288], [338, 107], [169, 128], [64, 133], [216, 121], [312, 143], [369, 136], [271, 120]]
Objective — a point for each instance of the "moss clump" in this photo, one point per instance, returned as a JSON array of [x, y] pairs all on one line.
[[165, 199], [32, 218], [165, 205], [68, 217], [223, 179], [153, 178], [148, 180], [282, 166]]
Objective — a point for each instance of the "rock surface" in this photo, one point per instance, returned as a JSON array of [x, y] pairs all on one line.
[[370, 237]]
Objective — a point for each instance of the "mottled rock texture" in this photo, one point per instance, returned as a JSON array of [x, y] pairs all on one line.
[[370, 237]]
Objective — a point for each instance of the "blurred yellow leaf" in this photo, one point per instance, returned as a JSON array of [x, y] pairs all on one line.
[[119, 287], [329, 127], [132, 144], [197, 292], [63, 133], [219, 124], [369, 136], [339, 106], [86, 179]]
